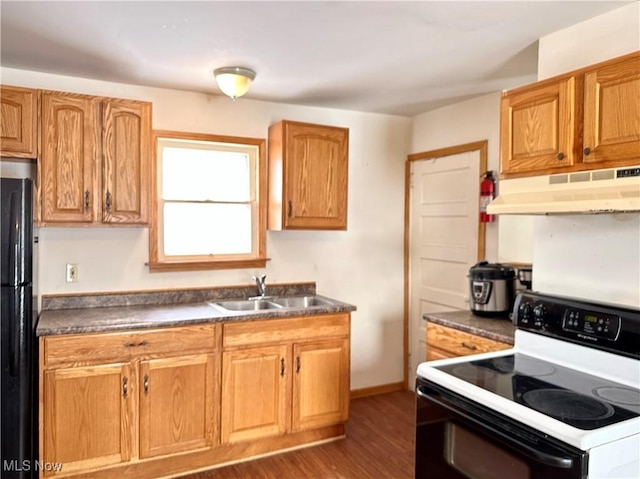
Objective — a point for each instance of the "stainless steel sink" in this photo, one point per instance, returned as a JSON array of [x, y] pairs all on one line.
[[283, 302], [302, 301], [247, 305]]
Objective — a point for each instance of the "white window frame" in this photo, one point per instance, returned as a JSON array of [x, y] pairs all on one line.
[[255, 148]]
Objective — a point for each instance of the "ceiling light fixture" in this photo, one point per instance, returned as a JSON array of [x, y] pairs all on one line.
[[234, 81]]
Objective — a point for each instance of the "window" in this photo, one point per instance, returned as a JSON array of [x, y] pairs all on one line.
[[210, 200]]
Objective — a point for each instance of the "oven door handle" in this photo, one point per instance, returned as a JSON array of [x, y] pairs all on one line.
[[543, 457]]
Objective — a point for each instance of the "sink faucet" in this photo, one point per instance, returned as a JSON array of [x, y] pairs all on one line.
[[260, 283]]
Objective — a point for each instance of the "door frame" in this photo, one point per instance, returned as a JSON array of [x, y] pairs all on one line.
[[482, 148]]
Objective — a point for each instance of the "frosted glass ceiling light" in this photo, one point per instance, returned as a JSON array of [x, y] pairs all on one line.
[[234, 81]]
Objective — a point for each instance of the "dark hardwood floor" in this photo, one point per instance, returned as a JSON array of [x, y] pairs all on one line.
[[379, 445]]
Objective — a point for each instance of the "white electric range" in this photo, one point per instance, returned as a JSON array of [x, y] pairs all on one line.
[[563, 403]]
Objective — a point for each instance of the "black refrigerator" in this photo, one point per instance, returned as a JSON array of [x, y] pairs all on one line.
[[17, 346]]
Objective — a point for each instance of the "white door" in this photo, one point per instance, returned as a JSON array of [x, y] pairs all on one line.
[[443, 241]]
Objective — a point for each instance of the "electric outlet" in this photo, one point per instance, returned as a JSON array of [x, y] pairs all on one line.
[[72, 273]]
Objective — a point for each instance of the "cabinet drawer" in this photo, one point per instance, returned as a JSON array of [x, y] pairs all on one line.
[[87, 348], [459, 343], [174, 340], [277, 330], [122, 346]]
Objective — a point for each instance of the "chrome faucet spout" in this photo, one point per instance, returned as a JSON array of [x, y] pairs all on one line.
[[260, 284]]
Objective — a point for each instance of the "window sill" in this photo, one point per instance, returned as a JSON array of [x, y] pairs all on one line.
[[206, 265]]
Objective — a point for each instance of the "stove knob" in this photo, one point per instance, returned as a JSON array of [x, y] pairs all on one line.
[[539, 312], [525, 310]]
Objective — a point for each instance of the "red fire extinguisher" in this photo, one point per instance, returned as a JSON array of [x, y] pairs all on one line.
[[487, 193]]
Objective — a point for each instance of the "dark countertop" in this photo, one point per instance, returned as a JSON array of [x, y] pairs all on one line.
[[108, 312], [497, 329], [119, 318]]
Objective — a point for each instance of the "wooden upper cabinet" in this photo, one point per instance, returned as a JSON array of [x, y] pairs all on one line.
[[67, 161], [538, 128], [126, 145], [308, 176], [612, 113], [584, 120], [95, 159], [18, 122]]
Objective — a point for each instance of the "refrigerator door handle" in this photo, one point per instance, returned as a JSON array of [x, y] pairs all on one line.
[[14, 332], [14, 242]]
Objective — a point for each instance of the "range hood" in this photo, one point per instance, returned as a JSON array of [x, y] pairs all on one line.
[[614, 190]]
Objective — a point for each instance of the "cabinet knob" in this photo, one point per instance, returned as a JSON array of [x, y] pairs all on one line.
[[87, 198], [145, 384], [281, 366], [587, 151], [290, 210], [125, 387], [297, 364], [560, 156]]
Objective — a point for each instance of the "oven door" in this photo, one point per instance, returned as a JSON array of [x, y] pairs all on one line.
[[460, 439]]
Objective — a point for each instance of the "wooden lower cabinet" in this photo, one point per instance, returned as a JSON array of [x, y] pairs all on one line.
[[444, 342], [320, 385], [88, 416], [254, 392], [177, 399], [284, 376], [164, 402]]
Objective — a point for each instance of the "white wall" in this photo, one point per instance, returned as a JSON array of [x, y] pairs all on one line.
[[592, 257], [509, 238], [610, 35], [362, 266]]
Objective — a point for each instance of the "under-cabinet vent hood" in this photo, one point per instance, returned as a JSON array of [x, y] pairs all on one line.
[[598, 191]]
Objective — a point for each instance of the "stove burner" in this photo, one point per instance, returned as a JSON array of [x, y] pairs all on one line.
[[533, 367], [619, 395], [567, 405], [471, 373]]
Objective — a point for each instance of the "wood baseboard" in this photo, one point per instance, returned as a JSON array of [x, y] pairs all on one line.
[[375, 390]]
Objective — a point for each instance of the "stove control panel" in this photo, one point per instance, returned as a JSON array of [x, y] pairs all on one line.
[[602, 326], [591, 323]]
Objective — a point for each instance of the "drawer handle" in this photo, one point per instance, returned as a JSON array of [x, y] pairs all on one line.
[[125, 387], [281, 366], [472, 347], [297, 364], [133, 345], [290, 213], [87, 200], [145, 384]]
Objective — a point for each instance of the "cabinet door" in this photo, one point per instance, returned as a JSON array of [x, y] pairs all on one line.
[[18, 118], [126, 143], [177, 399], [612, 114], [538, 129], [320, 384], [316, 168], [88, 416], [254, 393], [68, 157]]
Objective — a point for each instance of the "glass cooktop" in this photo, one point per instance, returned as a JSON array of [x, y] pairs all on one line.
[[573, 397]]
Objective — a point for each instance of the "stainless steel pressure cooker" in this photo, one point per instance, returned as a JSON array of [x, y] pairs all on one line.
[[492, 289]]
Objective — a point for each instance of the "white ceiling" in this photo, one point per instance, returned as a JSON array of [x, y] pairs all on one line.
[[390, 57]]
